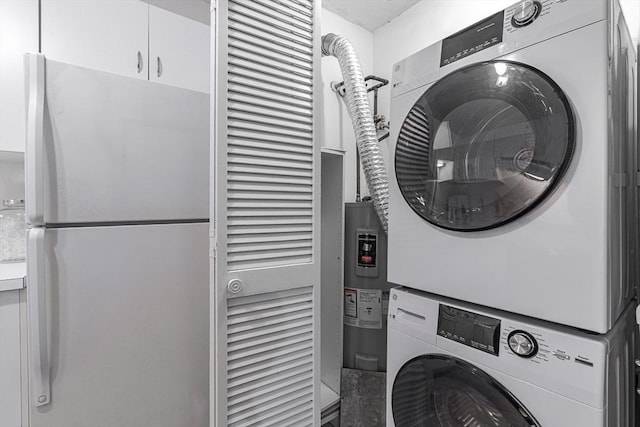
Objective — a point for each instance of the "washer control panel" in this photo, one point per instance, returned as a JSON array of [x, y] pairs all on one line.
[[468, 328]]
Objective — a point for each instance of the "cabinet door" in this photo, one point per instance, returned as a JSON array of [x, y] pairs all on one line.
[[18, 35], [107, 35], [266, 215], [179, 46], [10, 393]]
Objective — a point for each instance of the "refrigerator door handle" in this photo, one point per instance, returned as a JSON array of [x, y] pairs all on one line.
[[35, 63], [37, 316]]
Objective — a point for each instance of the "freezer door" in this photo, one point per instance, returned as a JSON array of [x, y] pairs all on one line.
[[126, 319], [108, 148]]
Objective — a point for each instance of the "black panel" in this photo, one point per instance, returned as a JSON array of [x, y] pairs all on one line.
[[472, 329], [472, 39]]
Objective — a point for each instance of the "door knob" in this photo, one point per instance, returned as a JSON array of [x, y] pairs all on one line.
[[234, 286]]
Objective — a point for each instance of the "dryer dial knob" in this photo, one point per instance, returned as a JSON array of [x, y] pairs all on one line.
[[523, 344], [525, 13]]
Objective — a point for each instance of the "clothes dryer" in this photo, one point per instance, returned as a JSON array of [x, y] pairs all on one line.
[[512, 183], [454, 364]]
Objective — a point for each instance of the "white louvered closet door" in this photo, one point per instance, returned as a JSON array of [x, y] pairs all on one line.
[[266, 295]]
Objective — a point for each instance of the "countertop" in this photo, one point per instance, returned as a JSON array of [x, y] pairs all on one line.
[[12, 275]]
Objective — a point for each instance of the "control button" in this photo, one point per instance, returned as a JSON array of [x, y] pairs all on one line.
[[561, 356], [525, 13], [523, 344]]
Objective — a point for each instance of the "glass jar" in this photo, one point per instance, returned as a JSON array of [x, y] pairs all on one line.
[[12, 231]]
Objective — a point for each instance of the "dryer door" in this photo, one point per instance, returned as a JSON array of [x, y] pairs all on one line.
[[484, 145], [438, 390]]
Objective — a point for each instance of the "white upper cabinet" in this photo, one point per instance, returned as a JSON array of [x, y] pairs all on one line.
[[107, 35], [161, 40], [179, 48], [18, 35]]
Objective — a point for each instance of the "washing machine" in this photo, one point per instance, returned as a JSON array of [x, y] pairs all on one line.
[[511, 183], [452, 364]]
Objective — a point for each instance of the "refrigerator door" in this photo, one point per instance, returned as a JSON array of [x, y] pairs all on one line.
[[105, 148], [126, 315]]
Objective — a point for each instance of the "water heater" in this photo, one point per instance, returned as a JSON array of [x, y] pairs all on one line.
[[366, 291]]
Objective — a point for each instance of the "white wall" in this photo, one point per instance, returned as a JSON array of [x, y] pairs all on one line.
[[631, 10], [337, 131]]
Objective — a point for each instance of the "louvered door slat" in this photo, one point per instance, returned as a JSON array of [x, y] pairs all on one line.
[[265, 171], [298, 412], [269, 75], [242, 232], [266, 413], [261, 146], [267, 331], [259, 333], [245, 100], [274, 10], [245, 150], [275, 56], [246, 23], [289, 362], [255, 198], [273, 95], [267, 214], [266, 222], [267, 43], [271, 122], [289, 29], [260, 112], [256, 389]]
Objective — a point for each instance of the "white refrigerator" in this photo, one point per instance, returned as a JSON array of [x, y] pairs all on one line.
[[117, 271]]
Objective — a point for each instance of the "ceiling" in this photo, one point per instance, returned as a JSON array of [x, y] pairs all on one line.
[[368, 14]]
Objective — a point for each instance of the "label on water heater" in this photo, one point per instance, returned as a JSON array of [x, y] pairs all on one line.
[[367, 244], [363, 308]]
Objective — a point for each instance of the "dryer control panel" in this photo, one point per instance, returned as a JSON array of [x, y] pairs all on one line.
[[472, 39]]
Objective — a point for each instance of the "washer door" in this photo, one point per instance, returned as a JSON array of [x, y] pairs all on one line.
[[484, 145], [438, 390]]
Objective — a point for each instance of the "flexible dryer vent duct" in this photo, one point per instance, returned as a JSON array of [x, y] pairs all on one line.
[[362, 119]]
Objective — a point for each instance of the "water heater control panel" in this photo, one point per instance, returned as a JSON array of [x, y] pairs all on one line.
[[367, 253]]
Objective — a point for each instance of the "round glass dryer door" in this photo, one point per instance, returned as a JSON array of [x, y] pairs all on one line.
[[442, 391], [484, 145]]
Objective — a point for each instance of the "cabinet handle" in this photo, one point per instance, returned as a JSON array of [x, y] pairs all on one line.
[[159, 67], [140, 64]]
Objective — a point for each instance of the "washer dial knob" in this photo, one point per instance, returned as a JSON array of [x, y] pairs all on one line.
[[523, 344], [525, 13]]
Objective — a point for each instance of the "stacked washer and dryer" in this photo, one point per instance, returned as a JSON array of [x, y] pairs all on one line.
[[511, 223]]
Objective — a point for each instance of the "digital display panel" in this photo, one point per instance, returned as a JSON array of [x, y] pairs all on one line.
[[472, 39], [468, 328]]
